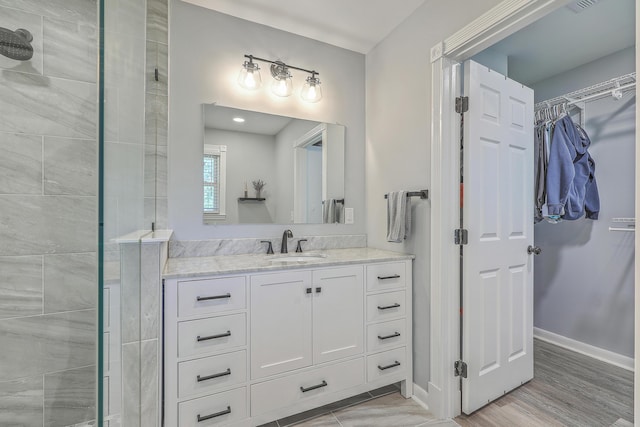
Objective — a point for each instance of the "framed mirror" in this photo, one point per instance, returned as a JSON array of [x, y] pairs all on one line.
[[261, 168]]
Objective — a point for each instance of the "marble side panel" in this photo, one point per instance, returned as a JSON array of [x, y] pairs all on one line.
[[131, 386], [149, 380], [155, 171], [21, 402], [54, 342], [157, 56], [41, 105], [157, 21], [47, 224], [70, 10], [70, 49], [70, 282], [70, 397], [215, 247], [32, 22], [130, 292], [20, 164], [151, 286], [70, 166], [20, 286]]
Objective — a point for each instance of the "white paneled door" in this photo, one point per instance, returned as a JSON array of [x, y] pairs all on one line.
[[497, 325]]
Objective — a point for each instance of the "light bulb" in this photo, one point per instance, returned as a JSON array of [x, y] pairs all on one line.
[[282, 87], [249, 77], [311, 91]]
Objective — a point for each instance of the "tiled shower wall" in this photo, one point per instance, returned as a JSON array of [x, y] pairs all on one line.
[[48, 216]]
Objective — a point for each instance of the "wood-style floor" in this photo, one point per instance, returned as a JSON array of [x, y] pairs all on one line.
[[568, 389]]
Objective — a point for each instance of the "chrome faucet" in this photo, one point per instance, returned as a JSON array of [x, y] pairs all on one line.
[[288, 234]]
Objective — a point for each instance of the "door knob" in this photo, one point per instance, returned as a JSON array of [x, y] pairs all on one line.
[[534, 250]]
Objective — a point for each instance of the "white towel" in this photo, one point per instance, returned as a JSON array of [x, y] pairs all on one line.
[[329, 211], [398, 216]]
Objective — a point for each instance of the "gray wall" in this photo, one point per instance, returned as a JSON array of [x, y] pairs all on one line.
[[48, 216], [207, 51], [398, 139], [250, 157], [584, 278]]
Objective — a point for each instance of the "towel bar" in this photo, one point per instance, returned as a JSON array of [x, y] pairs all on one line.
[[337, 201], [423, 194]]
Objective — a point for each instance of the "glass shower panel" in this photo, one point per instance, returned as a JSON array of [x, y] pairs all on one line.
[[123, 202]]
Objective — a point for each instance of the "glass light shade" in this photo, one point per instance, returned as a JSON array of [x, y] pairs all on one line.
[[311, 91], [282, 86], [249, 77]]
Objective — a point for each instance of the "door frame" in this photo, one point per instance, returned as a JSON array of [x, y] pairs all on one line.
[[504, 19]]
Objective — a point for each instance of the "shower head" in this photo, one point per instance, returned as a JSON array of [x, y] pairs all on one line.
[[16, 44]]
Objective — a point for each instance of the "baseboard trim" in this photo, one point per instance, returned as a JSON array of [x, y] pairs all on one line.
[[420, 396], [586, 349]]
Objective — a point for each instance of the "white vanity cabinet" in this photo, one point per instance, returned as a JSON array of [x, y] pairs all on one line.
[[247, 349]]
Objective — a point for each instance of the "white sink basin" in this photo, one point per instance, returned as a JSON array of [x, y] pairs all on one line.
[[296, 258]]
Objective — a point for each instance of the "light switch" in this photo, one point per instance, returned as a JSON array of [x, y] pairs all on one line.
[[348, 215]]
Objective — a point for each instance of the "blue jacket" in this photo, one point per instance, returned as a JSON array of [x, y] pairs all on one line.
[[571, 182]]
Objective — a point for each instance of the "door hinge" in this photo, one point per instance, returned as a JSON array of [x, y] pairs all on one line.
[[461, 236], [462, 104], [460, 369]]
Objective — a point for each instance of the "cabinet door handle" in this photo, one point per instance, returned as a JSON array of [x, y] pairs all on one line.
[[309, 290], [395, 276], [217, 414], [318, 290], [387, 307], [213, 337], [313, 387], [397, 334], [227, 295], [393, 365], [218, 375]]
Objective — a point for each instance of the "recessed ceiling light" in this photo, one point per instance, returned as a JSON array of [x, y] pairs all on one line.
[[238, 119]]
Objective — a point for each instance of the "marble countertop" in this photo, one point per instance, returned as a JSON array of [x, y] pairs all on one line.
[[249, 263]]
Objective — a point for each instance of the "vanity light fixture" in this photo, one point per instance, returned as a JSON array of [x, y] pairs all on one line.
[[282, 85]]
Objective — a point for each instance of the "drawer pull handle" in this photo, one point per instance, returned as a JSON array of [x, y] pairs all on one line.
[[218, 375], [395, 276], [397, 334], [199, 298], [393, 365], [387, 307], [217, 414], [213, 337], [313, 387]]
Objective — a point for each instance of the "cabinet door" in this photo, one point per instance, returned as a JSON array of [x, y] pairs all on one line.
[[280, 322], [338, 313]]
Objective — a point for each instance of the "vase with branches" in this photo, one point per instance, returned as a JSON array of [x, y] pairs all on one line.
[[258, 186]]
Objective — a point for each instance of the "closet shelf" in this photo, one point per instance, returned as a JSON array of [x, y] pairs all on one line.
[[618, 85]]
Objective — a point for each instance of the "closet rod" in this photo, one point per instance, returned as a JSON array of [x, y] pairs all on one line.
[[621, 229], [606, 88]]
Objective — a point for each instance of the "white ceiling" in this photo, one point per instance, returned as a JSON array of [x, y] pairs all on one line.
[[356, 25], [564, 40], [218, 117]]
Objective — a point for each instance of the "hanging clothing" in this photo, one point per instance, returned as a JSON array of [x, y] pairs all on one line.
[[571, 186]]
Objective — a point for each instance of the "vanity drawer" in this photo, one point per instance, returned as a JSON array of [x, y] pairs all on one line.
[[288, 391], [213, 334], [387, 364], [208, 374], [211, 296], [389, 275], [386, 306], [386, 335], [215, 410]]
